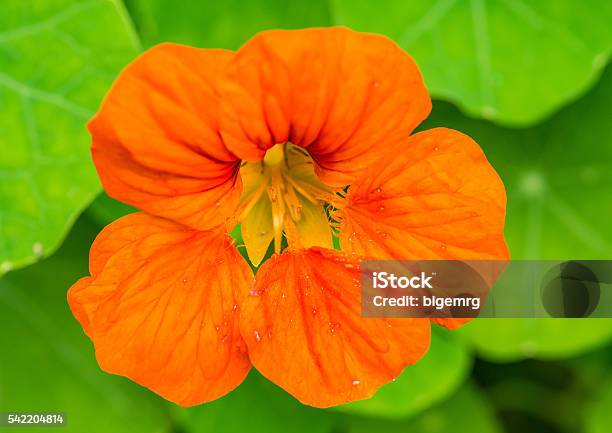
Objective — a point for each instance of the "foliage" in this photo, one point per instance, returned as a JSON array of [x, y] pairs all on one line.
[[526, 80]]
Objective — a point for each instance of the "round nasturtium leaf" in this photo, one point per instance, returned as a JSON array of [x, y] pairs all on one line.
[[466, 411], [512, 339], [514, 61], [559, 184], [438, 374], [226, 24], [256, 406], [48, 364], [57, 59]]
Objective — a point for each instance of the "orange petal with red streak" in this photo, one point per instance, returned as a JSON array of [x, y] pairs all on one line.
[[345, 96], [304, 332], [161, 307], [439, 199], [155, 139]]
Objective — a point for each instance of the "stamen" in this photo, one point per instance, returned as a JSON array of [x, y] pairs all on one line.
[[288, 177]]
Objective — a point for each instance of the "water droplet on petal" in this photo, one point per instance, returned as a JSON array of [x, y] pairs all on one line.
[[332, 327], [257, 336], [254, 293], [356, 382]]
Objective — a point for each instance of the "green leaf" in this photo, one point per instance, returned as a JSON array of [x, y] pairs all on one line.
[[57, 59], [514, 61], [598, 416], [511, 339], [48, 364], [559, 183], [226, 24], [466, 411], [438, 374], [255, 406], [104, 209]]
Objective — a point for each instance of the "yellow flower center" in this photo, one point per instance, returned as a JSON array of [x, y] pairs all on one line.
[[282, 195]]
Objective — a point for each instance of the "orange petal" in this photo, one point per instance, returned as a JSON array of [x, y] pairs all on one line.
[[343, 95], [304, 332], [156, 140], [439, 199], [161, 307]]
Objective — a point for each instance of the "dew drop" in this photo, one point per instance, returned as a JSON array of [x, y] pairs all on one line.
[[235, 307], [257, 336], [382, 208], [184, 280], [356, 382], [254, 293], [436, 148], [224, 339], [381, 233], [332, 328], [314, 311]]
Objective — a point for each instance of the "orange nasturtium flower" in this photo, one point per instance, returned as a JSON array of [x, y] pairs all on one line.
[[295, 136]]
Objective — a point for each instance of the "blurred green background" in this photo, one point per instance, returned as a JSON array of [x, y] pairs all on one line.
[[528, 81]]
